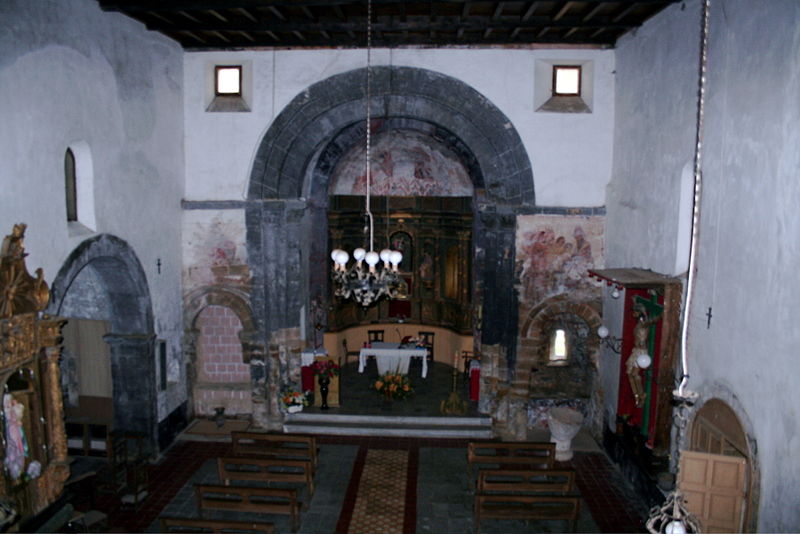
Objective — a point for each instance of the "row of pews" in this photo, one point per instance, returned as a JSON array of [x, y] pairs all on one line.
[[265, 474], [519, 480]]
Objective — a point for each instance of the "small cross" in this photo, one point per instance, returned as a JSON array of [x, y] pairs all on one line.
[[158, 265], [709, 316]]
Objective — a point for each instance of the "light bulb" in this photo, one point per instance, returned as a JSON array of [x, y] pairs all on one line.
[[396, 257], [334, 254], [644, 360], [385, 254], [675, 527], [602, 331], [359, 254], [342, 257], [372, 258], [615, 293]]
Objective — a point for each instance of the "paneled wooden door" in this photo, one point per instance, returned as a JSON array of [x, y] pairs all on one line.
[[713, 487]]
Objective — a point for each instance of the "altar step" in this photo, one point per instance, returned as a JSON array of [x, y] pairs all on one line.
[[400, 426]]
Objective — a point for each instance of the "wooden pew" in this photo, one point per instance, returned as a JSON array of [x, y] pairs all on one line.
[[511, 454], [212, 526], [526, 494], [543, 507], [248, 499], [266, 470], [286, 446]]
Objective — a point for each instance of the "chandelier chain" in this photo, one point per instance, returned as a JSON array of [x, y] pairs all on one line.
[[369, 133]]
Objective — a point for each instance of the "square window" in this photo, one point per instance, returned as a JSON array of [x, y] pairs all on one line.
[[566, 80], [228, 80]]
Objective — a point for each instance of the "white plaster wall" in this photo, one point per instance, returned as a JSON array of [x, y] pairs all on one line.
[[570, 153], [749, 247], [71, 73]]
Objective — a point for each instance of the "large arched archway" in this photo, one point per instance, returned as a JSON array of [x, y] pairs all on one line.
[[287, 197], [103, 279]]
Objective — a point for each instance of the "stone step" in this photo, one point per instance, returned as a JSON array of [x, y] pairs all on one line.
[[400, 426]]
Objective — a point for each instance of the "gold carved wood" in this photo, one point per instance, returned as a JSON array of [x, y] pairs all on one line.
[[30, 348]]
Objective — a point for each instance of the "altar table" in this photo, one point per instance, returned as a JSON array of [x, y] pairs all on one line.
[[393, 357]]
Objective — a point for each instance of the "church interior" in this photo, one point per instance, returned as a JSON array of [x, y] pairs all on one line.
[[399, 266]]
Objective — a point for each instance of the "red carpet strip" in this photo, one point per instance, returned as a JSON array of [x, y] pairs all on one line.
[[381, 496]]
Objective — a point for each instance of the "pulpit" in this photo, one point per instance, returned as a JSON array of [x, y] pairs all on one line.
[[34, 445]]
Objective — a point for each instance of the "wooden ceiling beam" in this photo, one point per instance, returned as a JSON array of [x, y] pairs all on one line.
[[388, 24]]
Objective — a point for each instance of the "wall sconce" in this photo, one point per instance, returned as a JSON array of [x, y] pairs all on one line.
[[613, 343]]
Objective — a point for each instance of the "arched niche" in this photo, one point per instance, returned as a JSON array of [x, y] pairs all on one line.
[[203, 298], [103, 279]]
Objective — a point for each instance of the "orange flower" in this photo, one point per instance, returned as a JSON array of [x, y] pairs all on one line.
[[378, 384]]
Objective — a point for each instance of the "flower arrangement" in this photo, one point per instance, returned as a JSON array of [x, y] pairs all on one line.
[[393, 386], [294, 401], [326, 368]]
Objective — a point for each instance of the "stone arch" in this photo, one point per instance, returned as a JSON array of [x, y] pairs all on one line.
[[108, 268], [581, 320], [332, 105], [715, 395], [287, 194], [233, 299]]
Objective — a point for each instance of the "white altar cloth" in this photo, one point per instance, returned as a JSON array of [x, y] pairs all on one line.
[[393, 357]]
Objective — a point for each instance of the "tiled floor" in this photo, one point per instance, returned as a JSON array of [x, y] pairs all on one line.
[[439, 502], [443, 495]]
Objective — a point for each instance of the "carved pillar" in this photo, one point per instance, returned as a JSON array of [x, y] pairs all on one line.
[[134, 376]]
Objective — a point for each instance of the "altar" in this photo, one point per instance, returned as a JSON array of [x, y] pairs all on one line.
[[393, 357]]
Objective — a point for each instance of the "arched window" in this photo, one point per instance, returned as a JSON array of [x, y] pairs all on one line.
[[70, 187], [558, 347]]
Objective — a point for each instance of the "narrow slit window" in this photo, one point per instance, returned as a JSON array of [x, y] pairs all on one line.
[[558, 347], [228, 80], [70, 187], [566, 80]]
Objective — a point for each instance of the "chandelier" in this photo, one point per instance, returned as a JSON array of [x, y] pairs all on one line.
[[380, 277]]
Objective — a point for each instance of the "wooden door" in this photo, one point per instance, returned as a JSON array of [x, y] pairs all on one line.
[[713, 487]]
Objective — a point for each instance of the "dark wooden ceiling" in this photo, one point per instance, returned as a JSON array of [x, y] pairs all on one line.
[[237, 24]]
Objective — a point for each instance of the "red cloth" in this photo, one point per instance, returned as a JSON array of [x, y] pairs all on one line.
[[307, 378], [474, 383]]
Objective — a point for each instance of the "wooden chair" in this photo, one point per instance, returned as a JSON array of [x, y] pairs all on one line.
[[374, 335], [427, 339], [348, 353]]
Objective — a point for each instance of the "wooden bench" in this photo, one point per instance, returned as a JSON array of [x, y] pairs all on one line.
[[248, 499], [286, 446], [526, 480], [526, 494], [511, 454], [266, 470], [212, 526], [542, 507]]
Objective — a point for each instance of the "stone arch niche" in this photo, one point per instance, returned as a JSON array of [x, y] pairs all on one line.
[[546, 384], [237, 302], [286, 213], [103, 279]]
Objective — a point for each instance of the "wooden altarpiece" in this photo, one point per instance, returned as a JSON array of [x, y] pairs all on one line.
[[34, 445]]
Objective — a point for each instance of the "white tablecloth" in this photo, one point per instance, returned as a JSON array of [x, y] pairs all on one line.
[[393, 357]]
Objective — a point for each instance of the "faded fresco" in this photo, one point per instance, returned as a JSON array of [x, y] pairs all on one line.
[[553, 254], [403, 163], [215, 250]]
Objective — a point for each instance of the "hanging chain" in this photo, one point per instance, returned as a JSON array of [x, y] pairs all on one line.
[[369, 98]]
